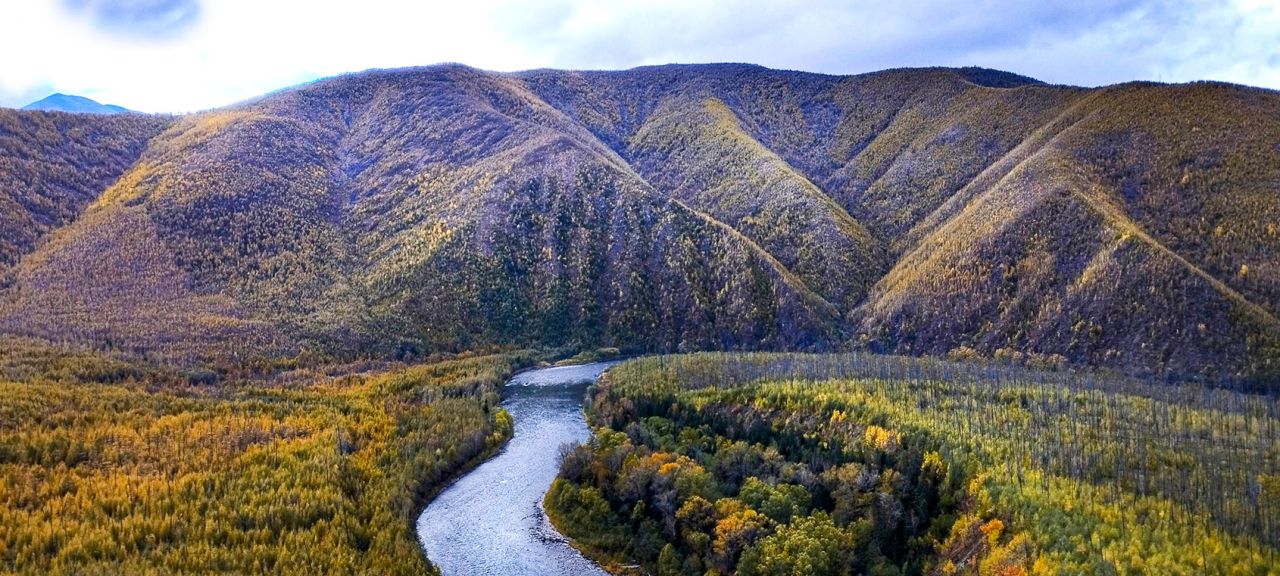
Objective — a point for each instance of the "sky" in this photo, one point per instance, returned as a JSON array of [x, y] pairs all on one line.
[[187, 55]]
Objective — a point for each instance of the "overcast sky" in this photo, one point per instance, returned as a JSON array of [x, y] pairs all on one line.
[[183, 55]]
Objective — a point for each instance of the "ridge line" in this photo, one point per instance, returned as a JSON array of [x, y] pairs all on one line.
[[996, 171], [1122, 220], [788, 276]]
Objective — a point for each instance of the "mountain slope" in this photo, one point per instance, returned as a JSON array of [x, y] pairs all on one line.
[[683, 207], [73, 103], [1117, 241], [443, 208], [52, 165]]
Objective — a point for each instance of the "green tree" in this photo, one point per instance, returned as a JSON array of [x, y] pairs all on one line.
[[810, 545], [669, 562]]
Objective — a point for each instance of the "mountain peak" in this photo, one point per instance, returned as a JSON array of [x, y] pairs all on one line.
[[59, 102]]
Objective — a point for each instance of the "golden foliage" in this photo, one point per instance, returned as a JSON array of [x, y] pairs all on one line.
[[320, 474]]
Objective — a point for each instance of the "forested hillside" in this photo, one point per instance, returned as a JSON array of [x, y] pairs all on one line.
[[53, 164], [925, 211]]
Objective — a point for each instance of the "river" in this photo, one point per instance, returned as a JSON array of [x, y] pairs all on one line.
[[491, 522]]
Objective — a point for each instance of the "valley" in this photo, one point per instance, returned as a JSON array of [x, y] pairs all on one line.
[[919, 321]]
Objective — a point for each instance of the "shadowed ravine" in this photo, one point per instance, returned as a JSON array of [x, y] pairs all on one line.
[[491, 522]]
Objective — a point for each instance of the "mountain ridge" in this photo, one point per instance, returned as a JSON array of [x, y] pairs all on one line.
[[59, 102], [564, 206]]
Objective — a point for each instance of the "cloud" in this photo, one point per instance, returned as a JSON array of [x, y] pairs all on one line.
[[146, 19], [181, 55], [828, 35], [1086, 42]]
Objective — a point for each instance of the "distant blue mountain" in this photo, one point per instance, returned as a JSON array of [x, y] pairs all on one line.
[[72, 103]]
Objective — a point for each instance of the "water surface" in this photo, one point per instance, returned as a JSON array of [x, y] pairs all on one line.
[[491, 522]]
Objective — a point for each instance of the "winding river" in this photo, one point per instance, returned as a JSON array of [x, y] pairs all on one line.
[[491, 522]]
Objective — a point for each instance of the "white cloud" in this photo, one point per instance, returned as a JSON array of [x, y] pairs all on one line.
[[239, 49], [236, 49]]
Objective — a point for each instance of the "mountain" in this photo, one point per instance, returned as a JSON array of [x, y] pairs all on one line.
[[73, 103], [925, 211]]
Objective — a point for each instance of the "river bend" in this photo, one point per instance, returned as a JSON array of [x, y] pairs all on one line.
[[491, 521]]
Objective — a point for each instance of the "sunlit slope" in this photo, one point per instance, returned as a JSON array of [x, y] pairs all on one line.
[[911, 141], [52, 164]]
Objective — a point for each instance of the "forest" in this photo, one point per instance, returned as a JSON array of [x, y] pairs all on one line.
[[706, 463], [852, 463], [108, 467]]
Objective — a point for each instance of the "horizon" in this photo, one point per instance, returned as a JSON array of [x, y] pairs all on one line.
[[178, 56], [529, 70], [350, 73]]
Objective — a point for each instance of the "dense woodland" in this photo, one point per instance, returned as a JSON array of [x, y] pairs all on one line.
[[706, 463], [829, 464], [108, 467]]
